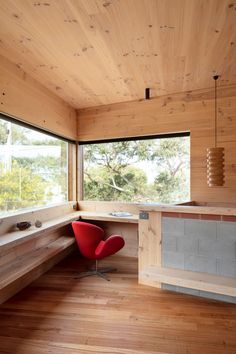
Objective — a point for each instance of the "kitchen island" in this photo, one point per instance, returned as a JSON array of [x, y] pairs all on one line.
[[189, 247]]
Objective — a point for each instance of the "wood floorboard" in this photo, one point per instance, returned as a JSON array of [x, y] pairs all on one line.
[[61, 314]]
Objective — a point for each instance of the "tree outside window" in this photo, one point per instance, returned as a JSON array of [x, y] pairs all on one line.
[[155, 170], [33, 168]]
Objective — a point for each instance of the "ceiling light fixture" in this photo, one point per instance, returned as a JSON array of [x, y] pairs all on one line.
[[215, 155]]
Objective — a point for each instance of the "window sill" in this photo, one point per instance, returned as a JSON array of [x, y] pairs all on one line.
[[44, 214], [14, 238]]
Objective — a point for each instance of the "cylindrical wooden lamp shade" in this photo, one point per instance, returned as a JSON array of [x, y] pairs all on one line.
[[215, 166]]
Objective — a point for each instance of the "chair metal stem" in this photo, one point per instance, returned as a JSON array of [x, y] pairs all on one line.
[[97, 271]]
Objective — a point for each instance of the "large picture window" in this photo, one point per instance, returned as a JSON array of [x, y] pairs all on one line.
[[33, 168], [150, 170]]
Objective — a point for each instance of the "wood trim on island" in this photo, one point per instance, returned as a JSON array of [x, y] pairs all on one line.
[[149, 252], [189, 209], [193, 280]]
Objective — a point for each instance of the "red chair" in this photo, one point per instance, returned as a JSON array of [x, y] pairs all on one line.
[[90, 240]]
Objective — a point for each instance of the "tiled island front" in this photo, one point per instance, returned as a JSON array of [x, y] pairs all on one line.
[[189, 249]]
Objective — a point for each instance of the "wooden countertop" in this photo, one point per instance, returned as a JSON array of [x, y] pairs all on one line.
[[94, 215], [195, 209]]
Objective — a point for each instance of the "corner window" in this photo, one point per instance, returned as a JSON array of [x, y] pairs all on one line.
[[33, 169], [150, 170]]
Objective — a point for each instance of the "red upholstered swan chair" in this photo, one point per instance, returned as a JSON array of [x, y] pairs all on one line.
[[90, 240]]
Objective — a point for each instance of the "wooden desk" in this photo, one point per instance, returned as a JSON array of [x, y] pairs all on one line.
[[113, 225], [27, 254], [92, 215]]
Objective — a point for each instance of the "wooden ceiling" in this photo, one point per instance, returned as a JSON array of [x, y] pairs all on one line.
[[95, 52]]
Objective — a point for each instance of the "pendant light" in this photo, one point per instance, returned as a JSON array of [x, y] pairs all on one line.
[[215, 155]]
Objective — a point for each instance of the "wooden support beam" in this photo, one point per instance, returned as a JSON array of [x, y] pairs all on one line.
[[149, 243]]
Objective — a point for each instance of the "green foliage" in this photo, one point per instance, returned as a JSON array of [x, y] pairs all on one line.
[[21, 188], [99, 184], [3, 132], [170, 189], [116, 156], [50, 168], [30, 181], [172, 183], [109, 174], [19, 135], [171, 148], [113, 172]]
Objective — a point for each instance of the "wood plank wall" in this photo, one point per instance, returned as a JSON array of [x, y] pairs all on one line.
[[23, 97], [189, 111]]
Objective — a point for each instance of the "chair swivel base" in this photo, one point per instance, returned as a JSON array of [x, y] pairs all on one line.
[[99, 272]]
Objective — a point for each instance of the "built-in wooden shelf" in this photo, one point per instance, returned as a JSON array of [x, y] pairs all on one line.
[[14, 238], [90, 215], [23, 265], [194, 280]]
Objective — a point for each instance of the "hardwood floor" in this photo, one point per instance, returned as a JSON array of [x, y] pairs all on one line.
[[62, 315]]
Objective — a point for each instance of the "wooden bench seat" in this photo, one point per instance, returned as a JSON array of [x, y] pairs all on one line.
[[26, 263], [194, 280], [25, 255], [28, 266]]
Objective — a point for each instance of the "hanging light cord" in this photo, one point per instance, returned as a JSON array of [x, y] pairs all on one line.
[[216, 78]]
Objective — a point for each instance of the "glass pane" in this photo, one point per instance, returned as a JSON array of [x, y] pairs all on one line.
[[33, 168], [156, 170]]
